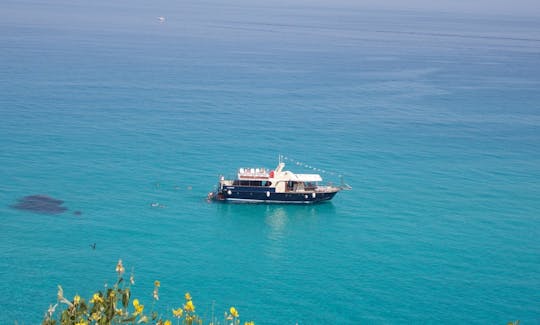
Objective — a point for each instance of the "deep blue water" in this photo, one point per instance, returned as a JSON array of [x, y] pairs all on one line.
[[432, 117]]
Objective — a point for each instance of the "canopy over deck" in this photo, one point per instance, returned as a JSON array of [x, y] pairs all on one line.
[[307, 178]]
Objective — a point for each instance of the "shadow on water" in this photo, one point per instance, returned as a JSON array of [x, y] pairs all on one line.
[[42, 204]]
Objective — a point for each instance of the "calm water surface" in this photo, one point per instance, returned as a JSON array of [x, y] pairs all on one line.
[[433, 118]]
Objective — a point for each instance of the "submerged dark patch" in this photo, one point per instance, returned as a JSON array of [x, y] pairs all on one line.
[[40, 204]]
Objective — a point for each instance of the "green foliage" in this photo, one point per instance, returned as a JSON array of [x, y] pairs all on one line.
[[115, 306]]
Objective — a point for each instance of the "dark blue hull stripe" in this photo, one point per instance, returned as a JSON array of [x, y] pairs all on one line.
[[272, 197]]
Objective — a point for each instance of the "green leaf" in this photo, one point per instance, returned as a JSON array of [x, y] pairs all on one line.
[[109, 312], [65, 319], [103, 321], [49, 322], [125, 298], [83, 308], [129, 319]]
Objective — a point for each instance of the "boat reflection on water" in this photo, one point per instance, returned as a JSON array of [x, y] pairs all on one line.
[[272, 214], [285, 223], [277, 226], [276, 218]]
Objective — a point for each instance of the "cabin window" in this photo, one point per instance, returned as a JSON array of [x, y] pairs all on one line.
[[247, 183], [310, 186]]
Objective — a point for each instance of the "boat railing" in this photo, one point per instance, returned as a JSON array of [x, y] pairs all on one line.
[[326, 188], [227, 182], [253, 173], [316, 189]]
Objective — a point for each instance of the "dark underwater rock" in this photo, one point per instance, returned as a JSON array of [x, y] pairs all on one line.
[[40, 204]]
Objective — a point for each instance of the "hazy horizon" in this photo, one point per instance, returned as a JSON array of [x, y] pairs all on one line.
[[525, 8]]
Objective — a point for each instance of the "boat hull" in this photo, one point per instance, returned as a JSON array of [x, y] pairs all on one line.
[[238, 195]]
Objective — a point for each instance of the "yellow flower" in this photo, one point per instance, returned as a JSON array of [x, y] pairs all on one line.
[[96, 298], [249, 323], [76, 300], [119, 312], [167, 322], [189, 307], [157, 283], [120, 268], [234, 312], [82, 322], [95, 316], [138, 307], [177, 312], [188, 296]]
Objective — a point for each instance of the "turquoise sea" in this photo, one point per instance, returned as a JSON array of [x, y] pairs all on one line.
[[432, 117]]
